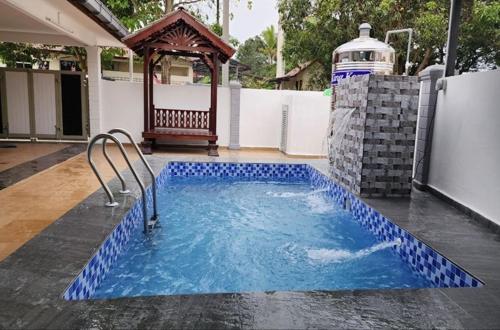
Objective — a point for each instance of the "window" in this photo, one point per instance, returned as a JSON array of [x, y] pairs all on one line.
[[44, 65], [24, 65], [344, 57], [363, 56], [69, 66]]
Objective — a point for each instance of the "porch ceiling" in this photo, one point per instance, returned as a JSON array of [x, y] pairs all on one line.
[[55, 22]]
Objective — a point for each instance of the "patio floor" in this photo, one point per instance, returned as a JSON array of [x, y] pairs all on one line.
[[24, 152], [33, 278], [51, 192]]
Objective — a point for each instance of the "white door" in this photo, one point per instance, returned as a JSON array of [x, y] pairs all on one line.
[[44, 95], [18, 106]]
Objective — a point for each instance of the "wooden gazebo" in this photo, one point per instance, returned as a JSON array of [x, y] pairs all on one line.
[[179, 34]]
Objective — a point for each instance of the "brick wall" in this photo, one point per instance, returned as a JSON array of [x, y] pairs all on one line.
[[376, 156]]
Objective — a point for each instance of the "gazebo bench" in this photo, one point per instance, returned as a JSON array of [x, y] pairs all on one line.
[[183, 125]]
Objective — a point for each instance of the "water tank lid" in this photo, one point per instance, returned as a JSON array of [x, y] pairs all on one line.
[[364, 42], [364, 30]]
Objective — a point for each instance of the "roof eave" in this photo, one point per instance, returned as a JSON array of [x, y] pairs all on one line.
[[101, 14]]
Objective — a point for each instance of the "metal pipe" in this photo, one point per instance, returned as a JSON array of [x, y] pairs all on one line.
[[225, 37], [105, 137], [410, 34], [150, 170], [451, 45]]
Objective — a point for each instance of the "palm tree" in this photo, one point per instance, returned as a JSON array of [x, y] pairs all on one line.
[[270, 40]]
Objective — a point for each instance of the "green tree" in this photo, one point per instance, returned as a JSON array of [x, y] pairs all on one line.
[[10, 53], [314, 28], [252, 53], [479, 41], [270, 43], [135, 14]]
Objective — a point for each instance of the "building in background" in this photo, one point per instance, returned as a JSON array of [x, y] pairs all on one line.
[[299, 78], [181, 71]]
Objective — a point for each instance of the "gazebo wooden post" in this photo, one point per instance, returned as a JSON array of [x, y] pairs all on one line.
[[146, 145], [151, 94], [146, 89], [212, 146]]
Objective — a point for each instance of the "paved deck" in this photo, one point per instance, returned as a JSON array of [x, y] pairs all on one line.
[[33, 278], [59, 179], [25, 152], [17, 171], [41, 195]]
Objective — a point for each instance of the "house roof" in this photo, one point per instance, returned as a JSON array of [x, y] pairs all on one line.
[[179, 31], [102, 15], [201, 68], [294, 72], [60, 22]]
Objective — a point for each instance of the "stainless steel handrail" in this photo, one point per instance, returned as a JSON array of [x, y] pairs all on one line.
[[112, 202], [108, 192], [144, 161], [110, 162]]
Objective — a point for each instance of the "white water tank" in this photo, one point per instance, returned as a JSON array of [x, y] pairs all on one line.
[[363, 55]]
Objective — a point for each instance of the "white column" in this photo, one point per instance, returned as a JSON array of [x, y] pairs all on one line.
[[94, 81], [234, 122], [280, 64], [225, 37], [130, 65]]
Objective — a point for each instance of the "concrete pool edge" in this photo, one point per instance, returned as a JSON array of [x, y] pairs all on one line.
[[34, 277]]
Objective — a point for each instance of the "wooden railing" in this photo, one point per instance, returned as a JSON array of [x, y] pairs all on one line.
[[186, 119]]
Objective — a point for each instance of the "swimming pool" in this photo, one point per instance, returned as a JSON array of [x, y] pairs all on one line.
[[259, 227]]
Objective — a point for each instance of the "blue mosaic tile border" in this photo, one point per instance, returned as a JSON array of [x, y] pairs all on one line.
[[85, 284], [240, 170], [423, 260], [440, 271]]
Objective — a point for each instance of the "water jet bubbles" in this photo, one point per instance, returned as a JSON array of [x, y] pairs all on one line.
[[340, 255]]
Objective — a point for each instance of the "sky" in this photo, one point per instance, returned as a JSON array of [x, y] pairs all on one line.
[[247, 23]]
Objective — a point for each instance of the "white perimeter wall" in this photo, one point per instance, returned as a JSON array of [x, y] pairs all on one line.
[[123, 105], [260, 113], [465, 156]]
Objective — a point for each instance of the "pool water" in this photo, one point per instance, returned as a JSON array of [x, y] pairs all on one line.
[[238, 236]]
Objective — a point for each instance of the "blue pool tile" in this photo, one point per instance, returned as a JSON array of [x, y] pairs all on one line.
[[421, 258]]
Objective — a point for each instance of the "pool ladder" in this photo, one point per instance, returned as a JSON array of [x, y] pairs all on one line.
[[149, 223]]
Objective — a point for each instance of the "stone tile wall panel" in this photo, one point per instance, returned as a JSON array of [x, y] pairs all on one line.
[[376, 156]]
